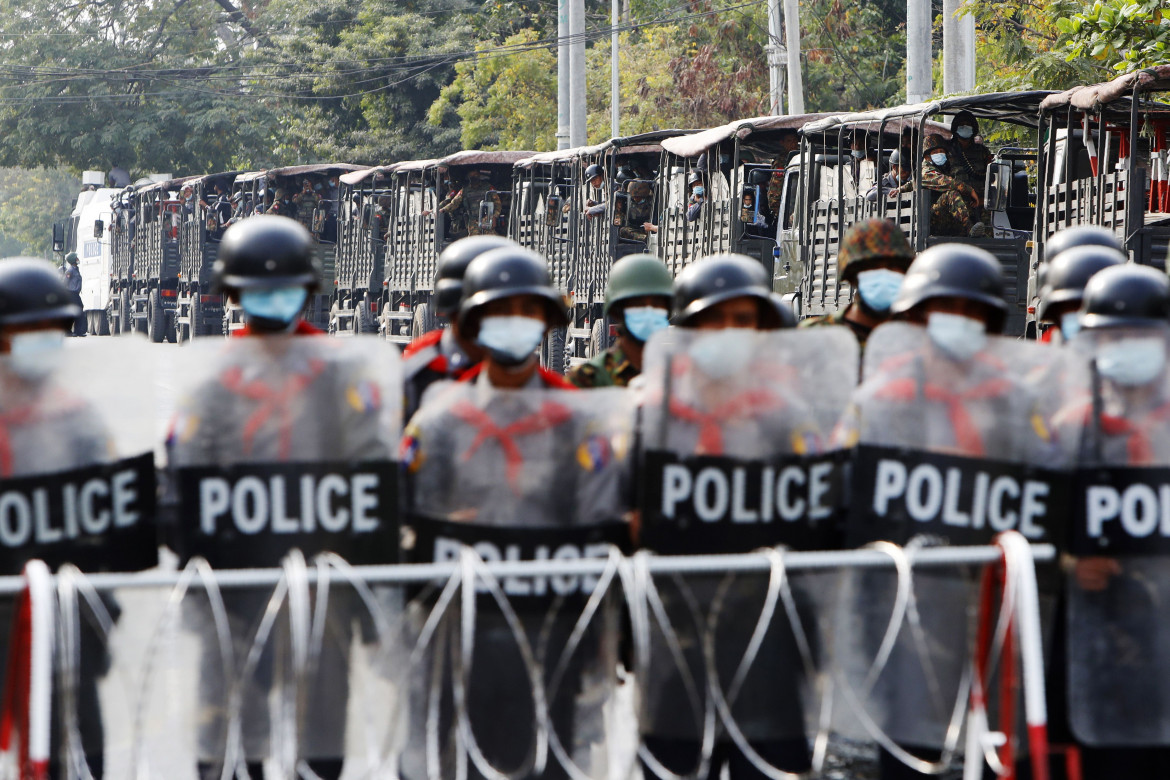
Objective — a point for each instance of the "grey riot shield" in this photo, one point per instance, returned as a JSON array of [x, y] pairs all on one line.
[[281, 443], [1118, 641], [735, 455], [516, 475], [77, 486], [948, 451]]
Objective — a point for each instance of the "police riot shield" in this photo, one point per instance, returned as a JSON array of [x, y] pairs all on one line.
[[1118, 643], [77, 490], [952, 446], [735, 455], [282, 446], [522, 683]]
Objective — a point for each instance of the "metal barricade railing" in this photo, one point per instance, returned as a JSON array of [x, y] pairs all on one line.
[[433, 616]]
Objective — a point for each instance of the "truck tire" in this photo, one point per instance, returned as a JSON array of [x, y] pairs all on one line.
[[101, 323], [364, 322], [125, 323], [156, 318], [554, 350], [196, 314], [598, 338], [422, 322]]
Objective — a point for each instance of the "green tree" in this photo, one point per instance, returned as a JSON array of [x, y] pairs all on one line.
[[1122, 34], [31, 200]]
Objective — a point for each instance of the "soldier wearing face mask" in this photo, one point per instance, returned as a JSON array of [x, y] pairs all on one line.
[[901, 171], [873, 259], [698, 196], [637, 298], [968, 156], [953, 202]]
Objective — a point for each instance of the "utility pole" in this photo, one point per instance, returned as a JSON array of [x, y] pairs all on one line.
[[562, 74], [614, 78], [577, 114], [795, 80], [776, 55], [919, 86], [958, 49]]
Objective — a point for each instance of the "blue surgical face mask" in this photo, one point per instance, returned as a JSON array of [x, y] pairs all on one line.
[[959, 337], [1133, 361], [642, 322], [511, 340], [939, 159], [965, 132], [1070, 325], [857, 154], [700, 190], [879, 287], [36, 354], [281, 304]]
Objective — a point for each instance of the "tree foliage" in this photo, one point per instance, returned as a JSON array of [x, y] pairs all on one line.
[[1125, 34], [31, 200]]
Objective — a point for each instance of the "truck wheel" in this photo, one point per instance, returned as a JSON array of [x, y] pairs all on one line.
[[422, 322], [364, 321], [598, 338], [171, 326], [125, 324], [554, 350], [101, 323], [195, 314], [156, 318]]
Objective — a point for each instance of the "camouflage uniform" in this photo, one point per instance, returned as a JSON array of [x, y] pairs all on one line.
[[306, 203], [969, 165], [953, 206], [611, 368], [838, 318], [485, 224], [639, 211], [452, 206]]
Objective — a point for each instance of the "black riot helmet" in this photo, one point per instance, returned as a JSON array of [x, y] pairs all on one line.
[[31, 290], [503, 273], [453, 262], [1080, 235], [720, 278], [954, 271], [1126, 296], [1066, 276], [266, 251], [593, 171]]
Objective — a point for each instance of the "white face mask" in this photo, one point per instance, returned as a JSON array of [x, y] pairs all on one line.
[[959, 337], [723, 353], [939, 159], [965, 132], [36, 354], [511, 340], [1132, 362]]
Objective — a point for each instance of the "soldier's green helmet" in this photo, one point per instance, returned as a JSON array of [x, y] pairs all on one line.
[[954, 271], [636, 276], [452, 264], [502, 273], [720, 278], [266, 252], [31, 290], [1126, 296], [869, 242]]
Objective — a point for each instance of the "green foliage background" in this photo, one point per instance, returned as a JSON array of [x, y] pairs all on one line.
[[194, 86]]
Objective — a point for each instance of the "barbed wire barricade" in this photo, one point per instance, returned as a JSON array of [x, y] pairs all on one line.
[[442, 659]]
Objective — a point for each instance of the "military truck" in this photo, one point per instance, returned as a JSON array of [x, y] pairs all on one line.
[[144, 282], [1105, 161], [308, 194], [836, 189], [431, 204], [88, 232], [198, 310], [365, 204], [583, 230]]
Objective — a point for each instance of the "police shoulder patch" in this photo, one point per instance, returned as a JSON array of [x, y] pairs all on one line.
[[364, 396], [595, 453], [410, 453]]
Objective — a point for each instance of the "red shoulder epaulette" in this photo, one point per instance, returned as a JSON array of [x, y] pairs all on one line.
[[302, 329]]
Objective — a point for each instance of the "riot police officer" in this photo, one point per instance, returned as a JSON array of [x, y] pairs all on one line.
[[728, 291], [637, 297], [281, 394], [595, 178], [873, 259], [1065, 278], [505, 457], [445, 353], [1115, 643]]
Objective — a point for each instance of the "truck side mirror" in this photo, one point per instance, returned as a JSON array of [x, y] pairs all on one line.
[[99, 228], [552, 216], [997, 186], [59, 237]]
